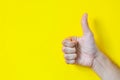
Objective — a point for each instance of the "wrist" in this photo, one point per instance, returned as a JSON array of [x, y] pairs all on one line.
[[87, 59], [104, 67], [97, 59]]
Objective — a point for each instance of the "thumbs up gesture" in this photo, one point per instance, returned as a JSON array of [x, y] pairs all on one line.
[[81, 50]]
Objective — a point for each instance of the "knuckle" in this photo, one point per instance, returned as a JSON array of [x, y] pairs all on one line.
[[68, 44], [69, 50], [70, 56], [63, 49], [63, 42], [70, 61]]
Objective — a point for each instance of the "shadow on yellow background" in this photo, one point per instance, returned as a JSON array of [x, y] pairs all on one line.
[[31, 32]]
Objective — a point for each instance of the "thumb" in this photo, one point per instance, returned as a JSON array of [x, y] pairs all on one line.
[[85, 26]]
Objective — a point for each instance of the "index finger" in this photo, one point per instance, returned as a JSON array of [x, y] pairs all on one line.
[[69, 42]]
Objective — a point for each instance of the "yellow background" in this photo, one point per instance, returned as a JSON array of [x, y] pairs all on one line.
[[31, 32]]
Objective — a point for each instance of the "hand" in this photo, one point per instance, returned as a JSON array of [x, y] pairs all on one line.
[[81, 50]]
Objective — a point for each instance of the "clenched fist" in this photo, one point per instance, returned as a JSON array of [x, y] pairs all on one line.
[[81, 50]]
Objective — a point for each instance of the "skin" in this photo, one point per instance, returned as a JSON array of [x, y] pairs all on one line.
[[83, 51]]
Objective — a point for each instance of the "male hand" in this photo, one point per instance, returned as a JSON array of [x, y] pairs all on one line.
[[81, 50]]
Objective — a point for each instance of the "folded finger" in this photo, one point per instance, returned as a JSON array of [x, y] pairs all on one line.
[[69, 50], [70, 56], [69, 43], [70, 61]]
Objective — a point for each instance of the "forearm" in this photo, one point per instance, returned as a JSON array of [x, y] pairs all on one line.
[[105, 68]]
